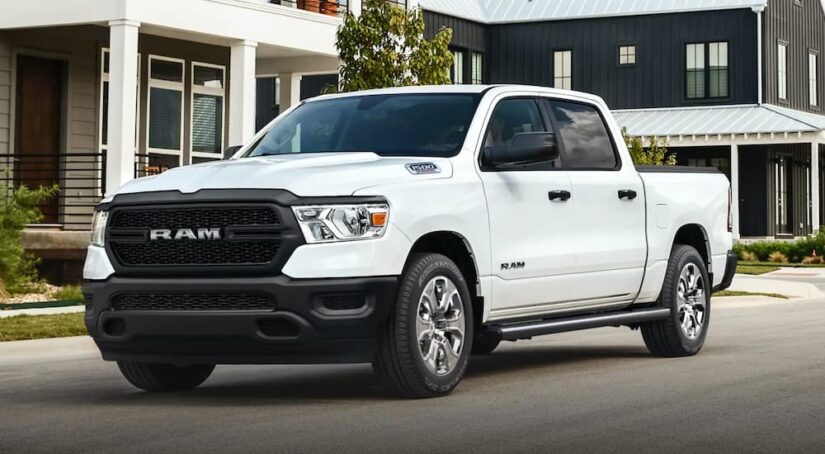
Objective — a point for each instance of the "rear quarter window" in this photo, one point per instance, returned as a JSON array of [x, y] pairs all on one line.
[[585, 136]]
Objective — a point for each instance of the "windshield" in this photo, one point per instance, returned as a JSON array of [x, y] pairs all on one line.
[[432, 125]]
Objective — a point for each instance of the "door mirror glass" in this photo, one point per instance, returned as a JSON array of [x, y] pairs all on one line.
[[526, 148], [229, 152]]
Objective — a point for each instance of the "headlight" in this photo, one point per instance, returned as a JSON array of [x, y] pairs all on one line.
[[99, 227], [331, 223]]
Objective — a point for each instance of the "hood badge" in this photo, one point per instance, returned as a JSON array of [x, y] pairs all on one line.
[[423, 168]]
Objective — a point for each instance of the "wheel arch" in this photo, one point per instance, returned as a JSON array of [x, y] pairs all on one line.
[[696, 236], [458, 248]]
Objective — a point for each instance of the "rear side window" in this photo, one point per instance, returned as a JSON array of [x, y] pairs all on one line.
[[585, 136]]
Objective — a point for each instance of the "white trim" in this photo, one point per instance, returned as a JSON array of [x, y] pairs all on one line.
[[202, 90], [759, 46], [166, 85]]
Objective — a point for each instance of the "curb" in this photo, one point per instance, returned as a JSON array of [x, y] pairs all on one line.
[[43, 311]]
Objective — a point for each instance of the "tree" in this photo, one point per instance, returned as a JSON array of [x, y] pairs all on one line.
[[654, 155], [385, 47]]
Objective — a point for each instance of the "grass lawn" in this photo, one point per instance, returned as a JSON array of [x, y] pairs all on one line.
[[735, 293], [23, 327], [756, 269]]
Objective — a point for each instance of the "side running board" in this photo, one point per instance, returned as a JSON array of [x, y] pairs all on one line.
[[526, 330]]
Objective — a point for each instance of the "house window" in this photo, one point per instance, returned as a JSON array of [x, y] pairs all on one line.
[[718, 70], [457, 73], [627, 55], [208, 91], [478, 68], [104, 100], [706, 70], [563, 69], [782, 70], [164, 122], [813, 71]]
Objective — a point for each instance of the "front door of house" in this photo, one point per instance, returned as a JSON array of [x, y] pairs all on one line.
[[38, 126]]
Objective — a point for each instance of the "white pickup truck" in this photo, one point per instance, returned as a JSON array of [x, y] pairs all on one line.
[[409, 228]]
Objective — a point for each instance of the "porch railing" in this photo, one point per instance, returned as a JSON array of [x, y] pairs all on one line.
[[80, 177], [335, 8]]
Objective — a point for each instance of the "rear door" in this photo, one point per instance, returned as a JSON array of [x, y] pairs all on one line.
[[609, 211], [530, 235]]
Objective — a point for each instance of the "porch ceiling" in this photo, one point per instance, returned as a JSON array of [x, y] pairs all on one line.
[[717, 120], [279, 31]]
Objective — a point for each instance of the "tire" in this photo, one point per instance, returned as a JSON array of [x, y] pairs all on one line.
[[484, 345], [422, 351], [164, 377], [684, 332]]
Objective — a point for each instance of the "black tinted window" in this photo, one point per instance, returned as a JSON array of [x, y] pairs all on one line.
[[396, 125], [585, 136], [511, 117]]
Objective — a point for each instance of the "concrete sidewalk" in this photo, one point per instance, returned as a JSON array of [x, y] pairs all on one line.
[[43, 311], [791, 289]]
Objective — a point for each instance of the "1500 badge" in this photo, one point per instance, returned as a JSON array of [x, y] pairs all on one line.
[[423, 168]]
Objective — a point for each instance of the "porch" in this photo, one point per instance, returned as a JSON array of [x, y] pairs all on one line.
[[772, 155]]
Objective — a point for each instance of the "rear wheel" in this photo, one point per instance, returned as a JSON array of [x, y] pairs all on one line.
[[686, 292], [164, 377], [423, 350]]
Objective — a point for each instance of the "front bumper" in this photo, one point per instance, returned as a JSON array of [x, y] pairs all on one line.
[[730, 270], [301, 329]]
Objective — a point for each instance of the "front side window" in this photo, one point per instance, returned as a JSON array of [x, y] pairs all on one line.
[[433, 125], [782, 70], [512, 117], [813, 72], [207, 110], [165, 118], [457, 72], [585, 136], [563, 69]]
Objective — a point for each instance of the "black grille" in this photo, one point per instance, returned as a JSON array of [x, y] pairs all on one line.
[[249, 236], [195, 217], [193, 302], [159, 253]]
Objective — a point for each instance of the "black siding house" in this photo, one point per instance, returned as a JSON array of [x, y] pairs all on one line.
[[738, 86]]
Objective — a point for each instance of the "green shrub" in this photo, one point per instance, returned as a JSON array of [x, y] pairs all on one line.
[[18, 208], [68, 292], [794, 251]]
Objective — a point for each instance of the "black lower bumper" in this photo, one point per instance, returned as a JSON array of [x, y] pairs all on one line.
[[730, 270], [303, 326]]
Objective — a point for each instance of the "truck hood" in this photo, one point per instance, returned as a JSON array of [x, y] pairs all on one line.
[[322, 174]]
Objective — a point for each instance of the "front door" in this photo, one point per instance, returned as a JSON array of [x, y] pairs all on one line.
[[608, 224], [533, 249], [37, 134]]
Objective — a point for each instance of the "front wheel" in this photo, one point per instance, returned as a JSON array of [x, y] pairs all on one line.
[[686, 291], [164, 377], [424, 349]]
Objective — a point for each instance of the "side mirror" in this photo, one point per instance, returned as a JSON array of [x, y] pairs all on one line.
[[526, 148], [229, 152]]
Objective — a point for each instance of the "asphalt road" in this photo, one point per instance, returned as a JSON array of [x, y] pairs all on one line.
[[759, 386]]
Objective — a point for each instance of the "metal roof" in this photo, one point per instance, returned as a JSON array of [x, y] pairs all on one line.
[[718, 120], [507, 11]]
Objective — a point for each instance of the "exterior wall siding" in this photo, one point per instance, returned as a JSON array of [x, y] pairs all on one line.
[[5, 96], [523, 53], [803, 29], [468, 36]]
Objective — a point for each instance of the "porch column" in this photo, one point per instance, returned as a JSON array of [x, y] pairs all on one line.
[[290, 90], [123, 61], [355, 7], [242, 93], [734, 184], [815, 186]]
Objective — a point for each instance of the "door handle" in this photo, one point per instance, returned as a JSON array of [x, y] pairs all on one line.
[[627, 194], [564, 196]]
